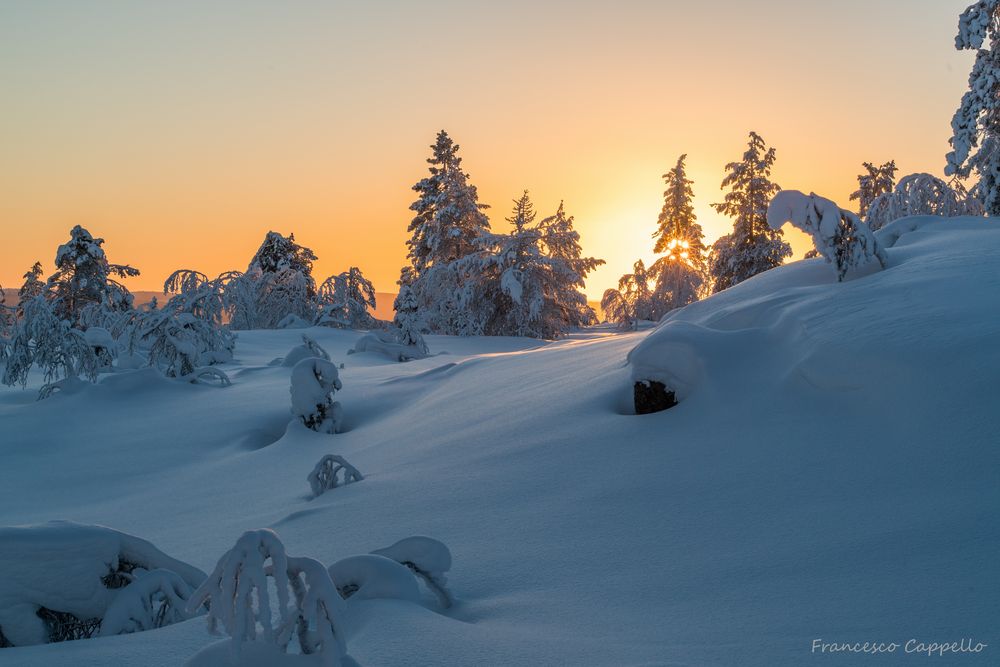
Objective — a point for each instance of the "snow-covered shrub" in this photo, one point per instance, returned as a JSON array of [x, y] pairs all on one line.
[[44, 340], [180, 344], [839, 235], [324, 475], [370, 576], [308, 605], [920, 194], [632, 301], [428, 558], [345, 300], [309, 348], [314, 381], [63, 580], [154, 599], [197, 294], [387, 343]]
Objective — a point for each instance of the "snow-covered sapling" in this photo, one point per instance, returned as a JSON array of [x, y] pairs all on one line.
[[314, 381], [370, 576], [154, 599], [238, 596], [839, 235], [324, 476], [428, 558]]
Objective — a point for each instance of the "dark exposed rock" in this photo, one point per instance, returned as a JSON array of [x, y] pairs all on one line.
[[652, 396]]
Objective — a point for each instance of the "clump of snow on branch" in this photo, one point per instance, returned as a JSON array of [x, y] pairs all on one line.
[[839, 235], [238, 595], [370, 576], [921, 194], [308, 349], [428, 558], [63, 580], [314, 381], [324, 475]]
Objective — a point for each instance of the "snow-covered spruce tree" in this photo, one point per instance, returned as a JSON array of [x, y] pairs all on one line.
[[238, 597], [508, 276], [975, 127], [752, 247], [565, 301], [84, 277], [839, 235], [921, 194], [345, 301], [314, 381], [680, 273], [407, 320], [875, 182], [278, 282], [33, 286], [448, 220]]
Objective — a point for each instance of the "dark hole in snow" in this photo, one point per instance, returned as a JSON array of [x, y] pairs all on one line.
[[348, 590], [652, 396], [64, 627], [4, 642]]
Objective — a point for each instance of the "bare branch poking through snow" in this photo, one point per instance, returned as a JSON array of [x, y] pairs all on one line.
[[324, 476]]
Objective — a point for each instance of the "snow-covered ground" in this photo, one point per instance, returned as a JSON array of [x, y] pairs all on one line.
[[832, 472]]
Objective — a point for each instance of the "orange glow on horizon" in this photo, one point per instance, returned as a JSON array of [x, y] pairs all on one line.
[[182, 133]]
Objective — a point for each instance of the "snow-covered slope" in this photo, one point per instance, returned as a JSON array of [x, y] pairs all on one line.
[[832, 472]]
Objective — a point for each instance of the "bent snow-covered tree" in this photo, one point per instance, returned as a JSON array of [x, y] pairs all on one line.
[[921, 194], [975, 127], [753, 247], [632, 301], [839, 235], [238, 596], [427, 558], [314, 381], [324, 475]]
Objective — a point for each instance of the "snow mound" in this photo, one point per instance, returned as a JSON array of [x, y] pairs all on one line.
[[69, 568], [792, 327]]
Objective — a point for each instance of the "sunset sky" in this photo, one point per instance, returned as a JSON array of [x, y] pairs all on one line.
[[181, 131]]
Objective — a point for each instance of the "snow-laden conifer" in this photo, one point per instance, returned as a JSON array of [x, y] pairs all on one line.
[[975, 126], [84, 277], [565, 303], [875, 182], [752, 247]]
